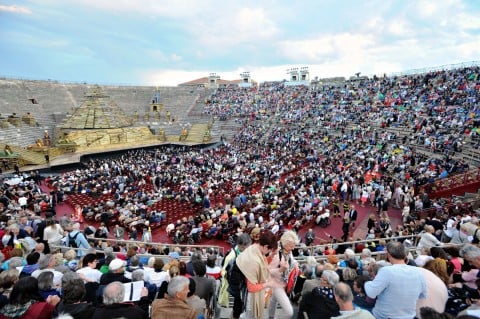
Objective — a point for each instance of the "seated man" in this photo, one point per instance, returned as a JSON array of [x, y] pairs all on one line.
[[175, 306], [114, 307], [72, 302], [344, 298]]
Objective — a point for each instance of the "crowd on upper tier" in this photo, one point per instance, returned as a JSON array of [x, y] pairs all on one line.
[[294, 159]]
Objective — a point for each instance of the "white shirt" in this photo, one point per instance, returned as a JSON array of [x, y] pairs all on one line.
[[90, 273], [22, 201], [158, 277], [53, 235]]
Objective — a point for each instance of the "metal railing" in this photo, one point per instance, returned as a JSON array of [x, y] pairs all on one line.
[[129, 243]]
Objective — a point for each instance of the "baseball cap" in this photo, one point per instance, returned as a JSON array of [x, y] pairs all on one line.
[[116, 264]]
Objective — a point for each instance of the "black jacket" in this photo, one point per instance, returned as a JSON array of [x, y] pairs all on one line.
[[317, 306], [110, 277], [120, 310], [81, 310]]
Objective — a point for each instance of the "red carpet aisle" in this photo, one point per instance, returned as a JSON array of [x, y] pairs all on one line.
[[360, 230], [334, 229]]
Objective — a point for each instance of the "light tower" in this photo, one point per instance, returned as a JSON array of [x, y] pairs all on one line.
[[246, 80], [212, 79]]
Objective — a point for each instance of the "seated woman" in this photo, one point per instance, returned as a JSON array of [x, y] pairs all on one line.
[[26, 302], [8, 278], [45, 285], [360, 298]]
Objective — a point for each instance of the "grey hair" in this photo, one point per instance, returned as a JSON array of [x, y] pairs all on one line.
[[349, 273], [134, 261], [151, 261], [113, 293], [68, 276], [108, 251], [366, 252], [44, 261], [289, 237], [349, 254], [15, 262], [45, 280], [343, 292], [396, 250], [244, 240], [138, 275], [470, 251], [331, 277], [307, 271], [176, 285]]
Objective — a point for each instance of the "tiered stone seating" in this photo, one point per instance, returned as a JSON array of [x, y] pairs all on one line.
[[227, 128], [196, 133]]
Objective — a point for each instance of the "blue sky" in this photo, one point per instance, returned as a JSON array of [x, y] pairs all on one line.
[[157, 42]]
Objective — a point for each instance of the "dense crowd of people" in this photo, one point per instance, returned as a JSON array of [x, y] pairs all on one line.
[[297, 159]]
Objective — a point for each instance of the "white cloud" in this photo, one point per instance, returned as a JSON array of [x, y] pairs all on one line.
[[467, 21], [234, 28], [427, 8], [324, 47], [169, 77], [400, 27], [15, 9]]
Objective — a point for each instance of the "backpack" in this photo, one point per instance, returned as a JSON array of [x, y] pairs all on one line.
[[71, 240], [229, 267], [235, 278], [475, 239]]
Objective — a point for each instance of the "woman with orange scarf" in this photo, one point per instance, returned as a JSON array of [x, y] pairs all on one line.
[[254, 265]]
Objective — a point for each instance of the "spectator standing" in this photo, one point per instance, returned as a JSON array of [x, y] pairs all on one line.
[[213, 271], [80, 241], [119, 232], [353, 214], [253, 264], [243, 241], [205, 286], [284, 269], [397, 287], [309, 237], [53, 233]]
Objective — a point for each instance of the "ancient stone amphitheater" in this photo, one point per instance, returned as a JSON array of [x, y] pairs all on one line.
[[48, 117]]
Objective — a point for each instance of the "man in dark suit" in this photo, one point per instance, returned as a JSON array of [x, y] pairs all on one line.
[[353, 215]]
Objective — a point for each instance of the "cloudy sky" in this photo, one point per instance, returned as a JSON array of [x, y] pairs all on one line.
[[167, 42]]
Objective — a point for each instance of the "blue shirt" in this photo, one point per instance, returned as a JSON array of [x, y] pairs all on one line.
[[397, 289]]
